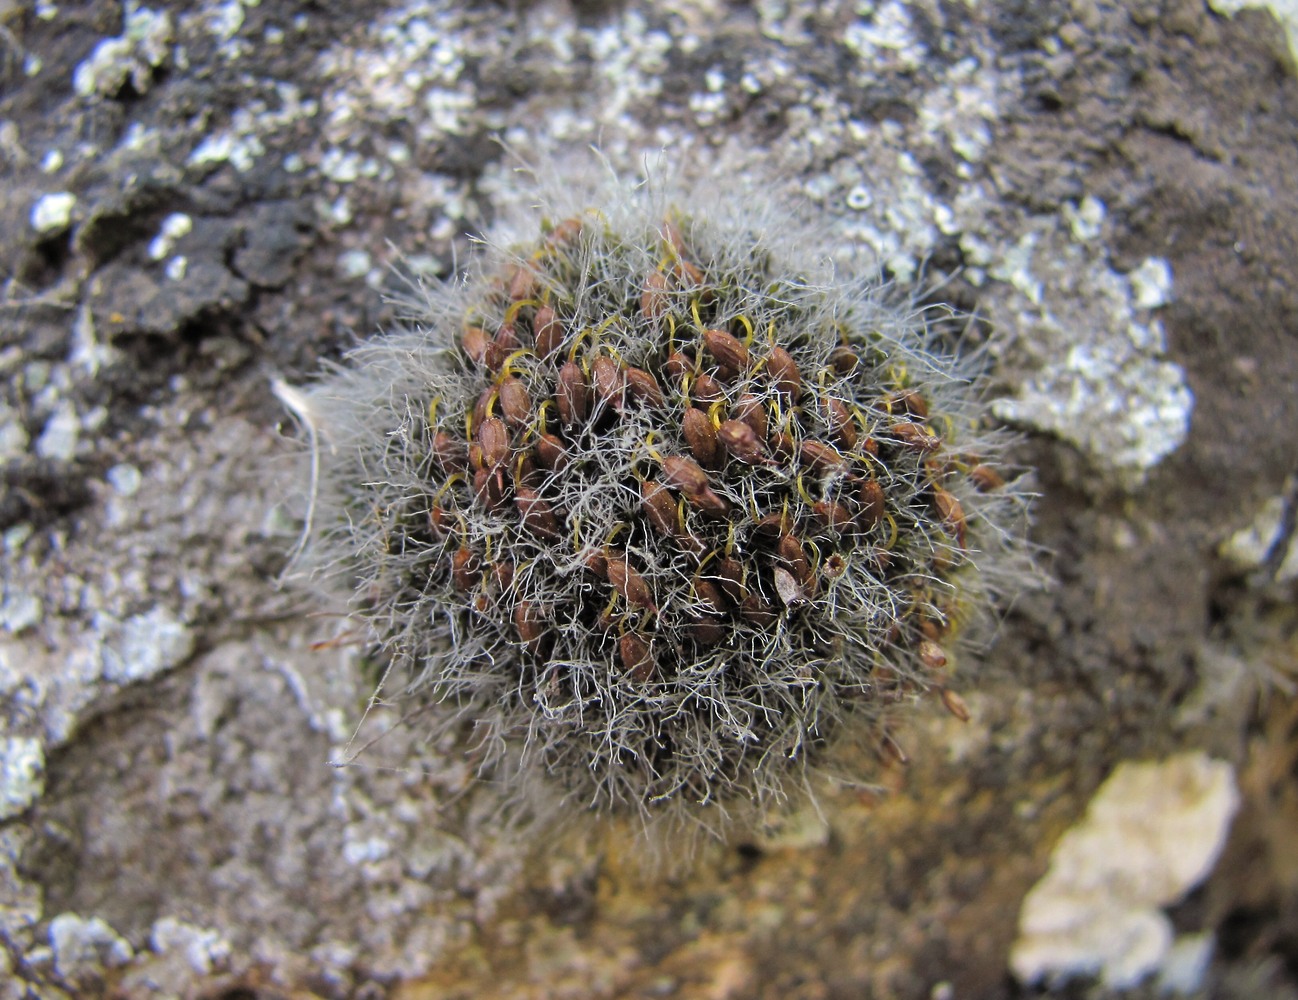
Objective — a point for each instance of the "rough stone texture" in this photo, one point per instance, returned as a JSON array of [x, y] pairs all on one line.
[[1047, 164], [1152, 833]]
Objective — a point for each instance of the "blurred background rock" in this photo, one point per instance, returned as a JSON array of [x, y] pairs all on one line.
[[198, 196]]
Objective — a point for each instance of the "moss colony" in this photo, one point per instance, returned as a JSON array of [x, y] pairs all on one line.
[[657, 502]]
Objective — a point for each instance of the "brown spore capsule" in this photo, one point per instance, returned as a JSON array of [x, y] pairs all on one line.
[[909, 401], [915, 437], [820, 456], [493, 439], [524, 283], [840, 422], [515, 403], [525, 471], [701, 436], [637, 657], [548, 332], [572, 394], [784, 373], [985, 478], [529, 623], [688, 275], [710, 597], [465, 567], [730, 572], [677, 366], [951, 511], [742, 442], [643, 386], [783, 445], [627, 581], [730, 352], [771, 526], [931, 655], [893, 751], [834, 566], [606, 377], [832, 515], [474, 341], [872, 504], [843, 360], [439, 520], [485, 399], [502, 345], [564, 232], [750, 409], [794, 557], [706, 630], [449, 452], [537, 514], [706, 390], [597, 562], [551, 452], [659, 507], [489, 487], [707, 624], [672, 236], [956, 705], [654, 299], [685, 474], [709, 502]]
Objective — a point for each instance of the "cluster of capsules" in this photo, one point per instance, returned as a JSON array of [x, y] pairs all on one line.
[[692, 512]]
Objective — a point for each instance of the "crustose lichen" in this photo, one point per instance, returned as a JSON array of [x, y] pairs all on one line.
[[657, 502]]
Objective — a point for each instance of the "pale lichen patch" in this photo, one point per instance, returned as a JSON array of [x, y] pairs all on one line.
[[1152, 833], [22, 774]]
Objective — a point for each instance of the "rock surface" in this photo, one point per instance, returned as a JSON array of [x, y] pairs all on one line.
[[200, 196]]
